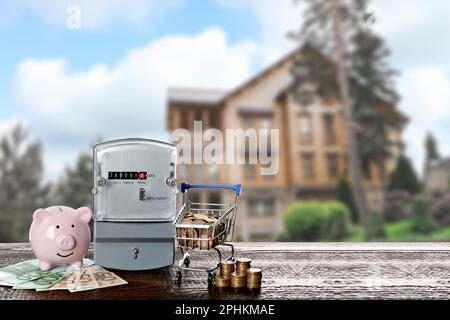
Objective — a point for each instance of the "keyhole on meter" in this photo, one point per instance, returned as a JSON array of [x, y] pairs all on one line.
[[135, 252]]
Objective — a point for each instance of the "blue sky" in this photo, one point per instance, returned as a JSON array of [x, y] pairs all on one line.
[[31, 37], [110, 77]]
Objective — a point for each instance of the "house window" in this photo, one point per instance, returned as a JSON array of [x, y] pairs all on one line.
[[198, 116], [194, 196], [250, 171], [198, 173], [366, 166], [184, 171], [308, 165], [306, 97], [305, 128], [214, 120], [265, 125], [261, 207], [330, 133], [247, 124], [213, 172], [184, 119], [333, 165]]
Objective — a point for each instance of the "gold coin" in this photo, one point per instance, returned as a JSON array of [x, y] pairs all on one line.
[[254, 271], [181, 233], [254, 276], [237, 280], [242, 264], [221, 281], [226, 267], [192, 233]]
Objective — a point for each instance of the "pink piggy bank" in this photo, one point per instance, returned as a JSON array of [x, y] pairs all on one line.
[[60, 235]]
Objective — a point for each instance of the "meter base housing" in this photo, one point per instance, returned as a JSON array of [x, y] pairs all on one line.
[[134, 245]]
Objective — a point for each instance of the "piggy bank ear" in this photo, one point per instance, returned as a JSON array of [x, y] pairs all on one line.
[[84, 213], [40, 214]]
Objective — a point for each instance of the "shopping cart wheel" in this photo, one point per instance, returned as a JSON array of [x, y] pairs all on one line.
[[187, 262], [210, 278], [178, 277]]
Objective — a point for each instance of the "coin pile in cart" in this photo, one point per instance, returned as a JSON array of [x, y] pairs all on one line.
[[238, 274], [201, 235]]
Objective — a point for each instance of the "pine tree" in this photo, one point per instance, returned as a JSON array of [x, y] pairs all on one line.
[[369, 67], [404, 177], [74, 188], [344, 194], [431, 148], [21, 187]]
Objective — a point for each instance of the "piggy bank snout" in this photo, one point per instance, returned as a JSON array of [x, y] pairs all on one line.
[[65, 242]]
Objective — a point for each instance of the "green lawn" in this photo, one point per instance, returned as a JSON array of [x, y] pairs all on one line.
[[400, 231]]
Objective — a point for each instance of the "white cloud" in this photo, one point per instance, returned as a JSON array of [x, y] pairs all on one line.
[[426, 100], [68, 107], [94, 14]]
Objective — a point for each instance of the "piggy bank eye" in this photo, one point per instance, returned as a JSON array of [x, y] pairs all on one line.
[[57, 227], [72, 226]]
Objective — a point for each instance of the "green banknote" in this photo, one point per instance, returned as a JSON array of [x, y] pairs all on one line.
[[29, 271], [47, 279]]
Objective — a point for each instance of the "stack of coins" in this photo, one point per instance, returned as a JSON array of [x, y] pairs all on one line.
[[226, 268], [242, 265], [221, 281], [254, 276], [237, 280]]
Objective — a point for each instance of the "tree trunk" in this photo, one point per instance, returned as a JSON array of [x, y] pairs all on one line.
[[353, 157]]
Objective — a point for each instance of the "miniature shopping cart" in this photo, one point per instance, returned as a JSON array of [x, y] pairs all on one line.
[[204, 226]]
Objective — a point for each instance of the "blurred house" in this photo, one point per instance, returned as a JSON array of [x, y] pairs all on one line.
[[312, 150], [437, 176]]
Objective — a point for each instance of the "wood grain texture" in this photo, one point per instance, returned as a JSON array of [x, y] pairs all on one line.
[[290, 271]]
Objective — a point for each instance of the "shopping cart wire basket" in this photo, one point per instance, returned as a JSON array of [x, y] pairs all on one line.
[[216, 230]]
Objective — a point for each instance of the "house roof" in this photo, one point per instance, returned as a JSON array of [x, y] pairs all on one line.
[[217, 97], [203, 96]]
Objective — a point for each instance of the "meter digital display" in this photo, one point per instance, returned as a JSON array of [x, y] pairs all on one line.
[[127, 175]]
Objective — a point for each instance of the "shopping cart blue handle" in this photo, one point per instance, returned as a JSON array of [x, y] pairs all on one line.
[[236, 188]]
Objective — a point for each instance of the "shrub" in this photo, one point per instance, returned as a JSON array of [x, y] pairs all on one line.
[[337, 226], [344, 194], [421, 222], [374, 227], [440, 209], [404, 177], [305, 221], [396, 205]]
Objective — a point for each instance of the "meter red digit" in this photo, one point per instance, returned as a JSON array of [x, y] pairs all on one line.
[[142, 175]]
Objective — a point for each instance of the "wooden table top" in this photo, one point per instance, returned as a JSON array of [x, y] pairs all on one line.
[[290, 271]]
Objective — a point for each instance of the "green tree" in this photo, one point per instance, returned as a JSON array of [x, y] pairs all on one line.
[[404, 177], [22, 190], [74, 188], [368, 65], [431, 147], [322, 67], [344, 194], [375, 227], [421, 222]]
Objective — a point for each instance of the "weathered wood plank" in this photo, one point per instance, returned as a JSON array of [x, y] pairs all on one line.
[[290, 271]]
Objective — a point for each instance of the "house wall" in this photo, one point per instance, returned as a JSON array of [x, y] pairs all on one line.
[[290, 183]]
